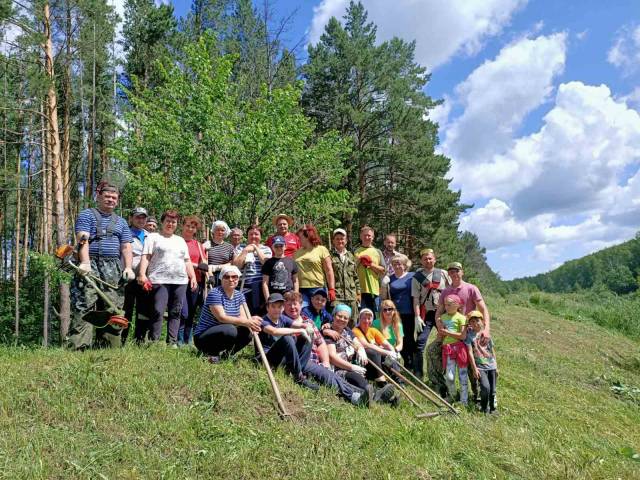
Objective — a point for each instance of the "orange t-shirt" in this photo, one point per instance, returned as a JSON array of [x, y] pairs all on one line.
[[373, 335]]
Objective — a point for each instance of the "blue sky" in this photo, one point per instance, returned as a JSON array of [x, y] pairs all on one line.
[[541, 115]]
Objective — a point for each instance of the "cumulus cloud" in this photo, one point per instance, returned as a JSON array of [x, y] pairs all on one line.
[[499, 94], [494, 224], [625, 52], [587, 141], [441, 29]]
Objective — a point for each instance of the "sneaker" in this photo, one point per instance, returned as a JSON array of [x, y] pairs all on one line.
[[306, 383], [384, 394], [360, 398]]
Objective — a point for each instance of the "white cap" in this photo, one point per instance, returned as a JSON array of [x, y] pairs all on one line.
[[339, 230], [230, 269]]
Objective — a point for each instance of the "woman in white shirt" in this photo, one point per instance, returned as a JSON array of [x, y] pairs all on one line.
[[166, 271]]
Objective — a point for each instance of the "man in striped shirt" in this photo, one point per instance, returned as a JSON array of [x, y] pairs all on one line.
[[105, 248]]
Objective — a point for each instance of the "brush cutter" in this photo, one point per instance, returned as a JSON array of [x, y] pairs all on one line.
[[113, 316]]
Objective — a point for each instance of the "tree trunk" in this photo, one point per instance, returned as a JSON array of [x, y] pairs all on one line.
[[27, 210], [16, 254], [66, 133], [46, 232], [56, 167], [91, 150]]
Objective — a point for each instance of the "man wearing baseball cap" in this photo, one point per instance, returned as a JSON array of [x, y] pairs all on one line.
[[471, 300], [151, 225], [137, 221], [104, 241], [282, 223], [345, 271], [287, 341]]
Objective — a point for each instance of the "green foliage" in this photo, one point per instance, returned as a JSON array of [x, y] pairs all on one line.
[[195, 143], [615, 269], [31, 301], [148, 31], [373, 95]]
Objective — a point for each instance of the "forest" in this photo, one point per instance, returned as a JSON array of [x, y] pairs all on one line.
[[214, 114], [615, 269]]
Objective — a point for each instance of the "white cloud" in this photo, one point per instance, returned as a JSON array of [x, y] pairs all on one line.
[[572, 164], [625, 52], [500, 93], [494, 224], [441, 29], [440, 114]]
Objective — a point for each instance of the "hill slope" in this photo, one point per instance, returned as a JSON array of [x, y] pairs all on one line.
[[156, 413]]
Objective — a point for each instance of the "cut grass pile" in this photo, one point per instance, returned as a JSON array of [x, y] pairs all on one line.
[[160, 413]]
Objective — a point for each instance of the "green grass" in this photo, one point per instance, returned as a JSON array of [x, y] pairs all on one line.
[[159, 413], [616, 312]]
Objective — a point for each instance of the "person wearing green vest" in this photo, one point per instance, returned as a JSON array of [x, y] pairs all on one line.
[[345, 272]]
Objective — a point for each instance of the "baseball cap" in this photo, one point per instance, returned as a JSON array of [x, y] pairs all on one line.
[[152, 220], [454, 266], [475, 313], [139, 211], [339, 231], [279, 240], [275, 297], [321, 291]]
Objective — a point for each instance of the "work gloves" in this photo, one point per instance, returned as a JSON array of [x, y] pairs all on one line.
[[332, 295], [128, 275], [418, 327], [361, 356], [358, 369], [84, 268], [304, 334]]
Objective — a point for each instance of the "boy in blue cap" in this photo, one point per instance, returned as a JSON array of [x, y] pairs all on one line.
[[286, 341]]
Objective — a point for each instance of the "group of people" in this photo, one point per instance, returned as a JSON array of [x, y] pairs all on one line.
[[328, 316]]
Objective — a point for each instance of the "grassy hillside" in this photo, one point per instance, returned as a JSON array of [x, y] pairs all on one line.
[[566, 400]]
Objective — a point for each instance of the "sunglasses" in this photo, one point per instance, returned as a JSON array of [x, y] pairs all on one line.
[[230, 277], [388, 309]]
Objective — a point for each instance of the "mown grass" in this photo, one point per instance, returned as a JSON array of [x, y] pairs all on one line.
[[159, 413], [620, 313]]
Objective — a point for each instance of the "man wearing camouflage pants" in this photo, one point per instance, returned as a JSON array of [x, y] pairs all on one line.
[[105, 245]]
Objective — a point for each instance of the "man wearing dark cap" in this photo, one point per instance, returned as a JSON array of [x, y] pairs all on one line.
[[137, 221], [152, 225], [282, 223], [286, 342], [471, 300], [104, 241]]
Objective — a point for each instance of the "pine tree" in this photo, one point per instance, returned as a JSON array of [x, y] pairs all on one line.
[[373, 95]]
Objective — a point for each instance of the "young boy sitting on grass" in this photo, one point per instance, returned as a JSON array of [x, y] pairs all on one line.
[[482, 358], [454, 351], [317, 311]]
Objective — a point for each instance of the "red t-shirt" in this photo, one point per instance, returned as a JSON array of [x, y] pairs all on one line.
[[291, 240], [196, 255]]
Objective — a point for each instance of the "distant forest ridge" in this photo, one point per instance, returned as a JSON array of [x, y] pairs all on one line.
[[615, 268]]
